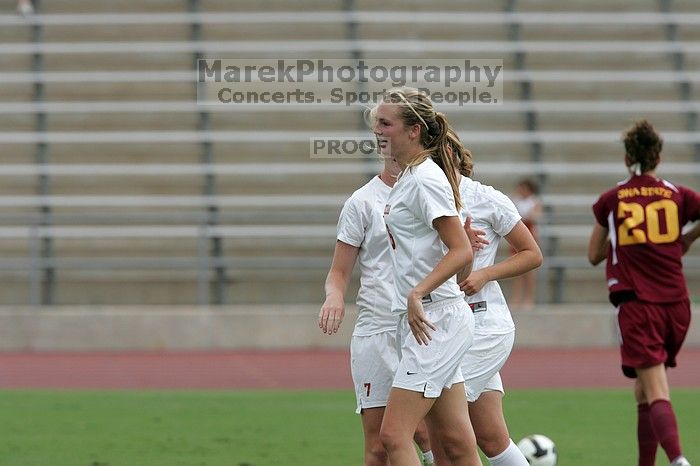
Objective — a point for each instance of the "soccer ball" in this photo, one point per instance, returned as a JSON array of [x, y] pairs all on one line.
[[539, 450]]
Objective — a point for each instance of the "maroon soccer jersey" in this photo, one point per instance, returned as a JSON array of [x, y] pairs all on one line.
[[644, 216]]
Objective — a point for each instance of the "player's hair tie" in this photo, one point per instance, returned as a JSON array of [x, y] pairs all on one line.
[[402, 97], [636, 168]]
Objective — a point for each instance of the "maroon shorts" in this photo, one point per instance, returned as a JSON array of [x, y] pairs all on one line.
[[651, 333]]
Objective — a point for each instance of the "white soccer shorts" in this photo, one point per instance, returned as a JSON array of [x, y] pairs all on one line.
[[373, 363], [429, 369], [483, 360]]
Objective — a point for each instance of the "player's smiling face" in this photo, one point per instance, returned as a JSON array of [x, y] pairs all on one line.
[[394, 138]]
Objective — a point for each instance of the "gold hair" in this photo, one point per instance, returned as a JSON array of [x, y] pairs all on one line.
[[416, 108], [463, 156]]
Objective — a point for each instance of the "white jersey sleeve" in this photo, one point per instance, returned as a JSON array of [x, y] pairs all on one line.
[[434, 199], [503, 216], [352, 223]]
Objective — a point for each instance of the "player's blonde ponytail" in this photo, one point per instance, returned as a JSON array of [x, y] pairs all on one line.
[[463, 156]]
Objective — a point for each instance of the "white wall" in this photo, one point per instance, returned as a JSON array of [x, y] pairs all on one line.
[[257, 327]]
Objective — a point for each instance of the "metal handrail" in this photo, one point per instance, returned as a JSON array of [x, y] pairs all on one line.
[[188, 106], [188, 76], [398, 47], [369, 17], [471, 137], [240, 201]]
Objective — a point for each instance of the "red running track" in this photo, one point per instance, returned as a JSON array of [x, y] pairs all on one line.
[[591, 368]]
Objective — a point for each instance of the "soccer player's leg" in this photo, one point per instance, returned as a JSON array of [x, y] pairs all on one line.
[[375, 454], [449, 423], [663, 419], [486, 414], [646, 438], [653, 347], [405, 410], [484, 390], [373, 363], [422, 439], [644, 354]]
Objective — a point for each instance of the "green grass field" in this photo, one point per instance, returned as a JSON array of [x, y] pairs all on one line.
[[265, 428]]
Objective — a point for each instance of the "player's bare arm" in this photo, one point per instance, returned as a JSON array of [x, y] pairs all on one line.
[[528, 256], [598, 245], [690, 236], [477, 242], [458, 257], [333, 310]]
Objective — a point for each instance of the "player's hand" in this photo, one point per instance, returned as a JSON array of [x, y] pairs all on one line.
[[474, 282], [331, 314], [476, 237], [418, 321]]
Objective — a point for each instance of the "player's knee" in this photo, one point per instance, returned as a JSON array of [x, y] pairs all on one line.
[[390, 438], [656, 391], [456, 452], [652, 390], [493, 438], [376, 458], [376, 455], [494, 444], [639, 395], [421, 437], [455, 447]]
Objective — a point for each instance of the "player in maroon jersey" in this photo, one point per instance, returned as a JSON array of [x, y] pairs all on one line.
[[638, 230]]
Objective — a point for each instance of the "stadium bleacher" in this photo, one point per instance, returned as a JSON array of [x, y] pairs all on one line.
[[117, 188]]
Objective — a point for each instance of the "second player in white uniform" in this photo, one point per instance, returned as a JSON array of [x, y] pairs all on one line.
[[361, 225], [361, 236], [494, 332], [495, 216]]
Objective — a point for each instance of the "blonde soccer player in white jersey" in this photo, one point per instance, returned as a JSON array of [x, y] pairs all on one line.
[[361, 237], [429, 248], [494, 215]]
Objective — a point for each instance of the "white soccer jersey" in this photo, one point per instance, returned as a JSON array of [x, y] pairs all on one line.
[[361, 224], [421, 194], [493, 212]]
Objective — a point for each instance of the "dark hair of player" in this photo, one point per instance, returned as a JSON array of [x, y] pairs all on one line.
[[643, 146]]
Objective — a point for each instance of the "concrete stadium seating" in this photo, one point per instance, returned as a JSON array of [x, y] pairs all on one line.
[[124, 82]]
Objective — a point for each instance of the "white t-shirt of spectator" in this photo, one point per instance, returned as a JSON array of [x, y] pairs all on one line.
[[525, 205], [421, 195], [361, 224], [493, 212]]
